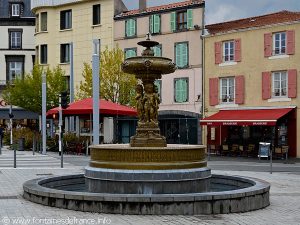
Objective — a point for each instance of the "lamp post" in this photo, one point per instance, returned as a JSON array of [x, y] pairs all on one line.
[[44, 101], [96, 90]]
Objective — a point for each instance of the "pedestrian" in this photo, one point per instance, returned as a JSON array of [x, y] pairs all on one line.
[[1, 136]]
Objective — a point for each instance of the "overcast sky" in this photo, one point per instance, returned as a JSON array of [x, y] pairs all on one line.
[[224, 10]]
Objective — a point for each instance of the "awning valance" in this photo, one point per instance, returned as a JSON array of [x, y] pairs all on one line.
[[250, 117]]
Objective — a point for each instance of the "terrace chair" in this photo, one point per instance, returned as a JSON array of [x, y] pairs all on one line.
[[225, 150], [213, 149], [242, 150], [234, 149], [285, 150], [251, 150]]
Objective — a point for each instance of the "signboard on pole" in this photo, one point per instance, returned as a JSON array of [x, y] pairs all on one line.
[[264, 149]]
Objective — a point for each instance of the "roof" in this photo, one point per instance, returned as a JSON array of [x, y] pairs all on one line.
[[85, 106], [159, 8], [252, 117], [258, 21], [4, 8]]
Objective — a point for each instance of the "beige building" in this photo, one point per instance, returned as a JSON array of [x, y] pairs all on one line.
[[178, 28], [251, 85], [61, 24]]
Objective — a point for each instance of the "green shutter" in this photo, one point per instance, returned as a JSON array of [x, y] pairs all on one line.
[[181, 90], [151, 19], [173, 21], [130, 53], [156, 24], [157, 51], [157, 83], [190, 19], [130, 27], [127, 30], [184, 54]]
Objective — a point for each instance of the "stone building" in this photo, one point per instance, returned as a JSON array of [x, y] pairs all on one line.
[[251, 69], [178, 28]]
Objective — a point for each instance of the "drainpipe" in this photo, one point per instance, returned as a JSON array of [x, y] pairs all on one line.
[[203, 69]]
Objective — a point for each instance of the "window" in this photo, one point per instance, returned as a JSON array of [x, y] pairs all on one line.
[[157, 84], [279, 43], [96, 14], [65, 53], [157, 50], [227, 90], [15, 39], [44, 54], [44, 21], [130, 28], [181, 90], [279, 84], [182, 20], [181, 55], [15, 9], [37, 23], [15, 71], [228, 51], [154, 22], [66, 19], [130, 52]]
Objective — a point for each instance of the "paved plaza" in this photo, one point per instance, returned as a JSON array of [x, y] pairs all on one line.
[[284, 197]]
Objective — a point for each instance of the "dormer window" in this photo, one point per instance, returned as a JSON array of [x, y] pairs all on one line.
[[15, 9]]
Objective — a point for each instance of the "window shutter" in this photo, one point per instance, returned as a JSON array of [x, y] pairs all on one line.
[[178, 91], [292, 83], [237, 50], [213, 91], [178, 55], [156, 24], [190, 19], [290, 42], [218, 54], [184, 90], [266, 85], [268, 44], [239, 89], [127, 30], [157, 50], [184, 54], [133, 31], [181, 90], [151, 19], [173, 21]]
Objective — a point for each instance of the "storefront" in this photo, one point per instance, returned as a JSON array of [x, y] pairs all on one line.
[[247, 127]]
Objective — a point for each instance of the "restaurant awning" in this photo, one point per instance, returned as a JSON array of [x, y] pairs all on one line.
[[85, 106], [250, 117]]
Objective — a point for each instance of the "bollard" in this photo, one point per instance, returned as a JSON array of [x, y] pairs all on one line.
[[15, 155], [33, 146], [0, 144]]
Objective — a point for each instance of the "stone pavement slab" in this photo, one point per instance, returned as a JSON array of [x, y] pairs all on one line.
[[284, 208]]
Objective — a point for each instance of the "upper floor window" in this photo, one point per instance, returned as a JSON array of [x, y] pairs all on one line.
[[15, 71], [44, 54], [15, 9], [66, 19], [279, 43], [96, 14], [157, 50], [130, 28], [15, 39], [65, 53], [182, 20], [279, 84], [181, 90], [227, 90], [157, 87], [154, 21], [130, 52], [228, 51], [182, 54], [44, 21]]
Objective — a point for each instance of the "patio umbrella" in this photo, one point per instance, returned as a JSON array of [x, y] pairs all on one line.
[[85, 107]]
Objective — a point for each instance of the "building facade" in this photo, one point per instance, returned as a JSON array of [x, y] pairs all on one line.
[[251, 69], [66, 28], [17, 51], [178, 28]]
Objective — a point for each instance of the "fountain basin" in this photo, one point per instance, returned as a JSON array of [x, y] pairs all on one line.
[[228, 194]]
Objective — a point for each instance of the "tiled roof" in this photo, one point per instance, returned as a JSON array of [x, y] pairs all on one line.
[[162, 8], [258, 21]]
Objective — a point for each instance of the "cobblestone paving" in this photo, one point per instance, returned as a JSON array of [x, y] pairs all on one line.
[[284, 208]]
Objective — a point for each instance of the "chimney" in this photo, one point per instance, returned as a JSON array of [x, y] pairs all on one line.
[[142, 5]]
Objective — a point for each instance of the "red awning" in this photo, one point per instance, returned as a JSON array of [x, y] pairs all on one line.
[[250, 117], [85, 106]]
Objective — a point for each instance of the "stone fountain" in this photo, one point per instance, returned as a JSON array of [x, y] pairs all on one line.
[[148, 176]]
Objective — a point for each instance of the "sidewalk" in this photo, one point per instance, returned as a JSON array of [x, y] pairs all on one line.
[[284, 208]]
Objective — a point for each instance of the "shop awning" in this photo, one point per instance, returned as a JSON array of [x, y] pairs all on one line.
[[85, 106], [250, 117]]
